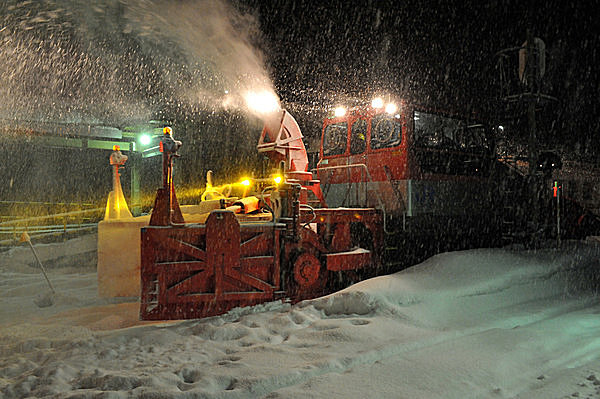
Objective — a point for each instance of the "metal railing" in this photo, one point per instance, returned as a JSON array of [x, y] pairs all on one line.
[[11, 230]]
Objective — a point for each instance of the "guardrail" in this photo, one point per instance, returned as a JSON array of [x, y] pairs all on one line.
[[11, 230]]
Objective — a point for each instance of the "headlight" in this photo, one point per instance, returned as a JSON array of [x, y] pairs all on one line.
[[391, 108], [377, 102], [340, 111]]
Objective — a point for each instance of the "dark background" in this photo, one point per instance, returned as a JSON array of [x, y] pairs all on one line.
[[318, 54], [440, 54]]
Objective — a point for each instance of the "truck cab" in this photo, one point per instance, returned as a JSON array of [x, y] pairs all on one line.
[[415, 164]]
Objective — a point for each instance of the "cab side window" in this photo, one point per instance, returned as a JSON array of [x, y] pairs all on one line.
[[386, 131], [437, 131]]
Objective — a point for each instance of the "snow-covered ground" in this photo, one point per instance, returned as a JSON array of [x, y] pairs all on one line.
[[488, 323]]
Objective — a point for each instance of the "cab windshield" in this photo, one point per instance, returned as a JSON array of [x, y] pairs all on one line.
[[335, 138]]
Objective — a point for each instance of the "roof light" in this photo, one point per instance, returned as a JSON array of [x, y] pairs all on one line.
[[391, 108], [377, 102], [340, 111]]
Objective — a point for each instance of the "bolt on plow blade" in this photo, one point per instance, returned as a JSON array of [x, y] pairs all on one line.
[[206, 270]]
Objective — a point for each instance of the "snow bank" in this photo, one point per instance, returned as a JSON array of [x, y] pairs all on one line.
[[459, 285], [480, 323]]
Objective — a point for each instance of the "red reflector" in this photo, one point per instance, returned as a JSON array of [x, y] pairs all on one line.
[[160, 146]]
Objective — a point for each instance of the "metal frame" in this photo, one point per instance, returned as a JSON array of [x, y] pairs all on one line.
[[205, 270]]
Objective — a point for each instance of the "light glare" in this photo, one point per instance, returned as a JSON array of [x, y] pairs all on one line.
[[391, 108], [340, 111], [377, 102], [145, 139], [262, 102]]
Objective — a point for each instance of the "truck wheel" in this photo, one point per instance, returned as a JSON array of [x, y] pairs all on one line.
[[309, 275]]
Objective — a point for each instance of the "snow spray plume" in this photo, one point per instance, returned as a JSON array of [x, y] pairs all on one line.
[[118, 61], [214, 39], [50, 72]]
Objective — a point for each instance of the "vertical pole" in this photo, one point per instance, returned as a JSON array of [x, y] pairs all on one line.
[[135, 183], [365, 181], [170, 189], [558, 189], [167, 183], [37, 258], [165, 170], [530, 70]]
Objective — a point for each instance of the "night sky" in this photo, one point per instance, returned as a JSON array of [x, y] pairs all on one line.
[[444, 55], [118, 61], [122, 62]]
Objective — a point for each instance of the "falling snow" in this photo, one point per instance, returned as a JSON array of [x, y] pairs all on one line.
[[505, 322]]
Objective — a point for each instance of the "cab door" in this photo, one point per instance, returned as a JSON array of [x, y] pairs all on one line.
[[387, 160], [357, 173]]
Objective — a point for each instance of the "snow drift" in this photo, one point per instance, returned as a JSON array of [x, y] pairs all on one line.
[[473, 324]]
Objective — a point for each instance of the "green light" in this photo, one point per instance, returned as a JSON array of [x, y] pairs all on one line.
[[145, 139]]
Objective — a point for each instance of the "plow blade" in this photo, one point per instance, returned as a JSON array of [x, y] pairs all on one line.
[[208, 269]]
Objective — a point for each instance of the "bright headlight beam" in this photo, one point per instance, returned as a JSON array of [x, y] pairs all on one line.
[[377, 102], [391, 108], [262, 102], [339, 111]]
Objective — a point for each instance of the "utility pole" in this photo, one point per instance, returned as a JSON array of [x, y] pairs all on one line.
[[521, 92], [530, 69], [531, 75]]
